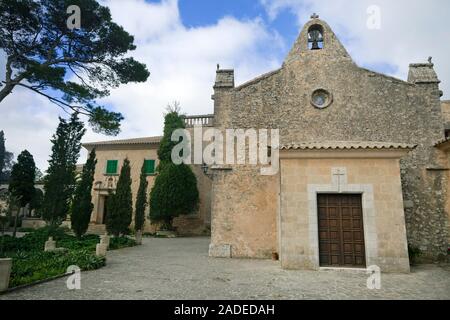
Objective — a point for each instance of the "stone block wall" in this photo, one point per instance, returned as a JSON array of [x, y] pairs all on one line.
[[377, 180], [245, 213]]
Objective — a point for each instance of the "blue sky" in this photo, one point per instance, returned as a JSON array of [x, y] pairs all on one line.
[[196, 13], [181, 41]]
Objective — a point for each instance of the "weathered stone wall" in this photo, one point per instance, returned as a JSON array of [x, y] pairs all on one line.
[[445, 107], [444, 147], [367, 106], [244, 212]]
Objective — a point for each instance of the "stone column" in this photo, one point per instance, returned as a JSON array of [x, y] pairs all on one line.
[[5, 273], [105, 240], [101, 250], [139, 237]]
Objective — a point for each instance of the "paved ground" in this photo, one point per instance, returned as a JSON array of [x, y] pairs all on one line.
[[180, 269]]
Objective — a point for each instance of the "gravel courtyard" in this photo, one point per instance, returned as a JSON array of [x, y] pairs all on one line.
[[180, 269]]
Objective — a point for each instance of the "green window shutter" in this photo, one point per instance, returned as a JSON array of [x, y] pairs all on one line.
[[112, 166], [150, 166]]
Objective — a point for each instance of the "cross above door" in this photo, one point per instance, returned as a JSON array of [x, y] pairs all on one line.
[[339, 177]]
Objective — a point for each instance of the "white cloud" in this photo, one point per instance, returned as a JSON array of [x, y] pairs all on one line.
[[411, 31], [29, 122], [182, 62]]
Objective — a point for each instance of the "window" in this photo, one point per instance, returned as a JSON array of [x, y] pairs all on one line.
[[149, 166], [112, 167], [321, 99], [447, 133], [315, 37]]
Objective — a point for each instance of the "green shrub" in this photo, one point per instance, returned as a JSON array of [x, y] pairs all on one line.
[[121, 242], [414, 254], [25, 230], [29, 267], [34, 241], [88, 242], [32, 264]]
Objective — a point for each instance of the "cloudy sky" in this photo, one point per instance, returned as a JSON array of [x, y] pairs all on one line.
[[181, 41]]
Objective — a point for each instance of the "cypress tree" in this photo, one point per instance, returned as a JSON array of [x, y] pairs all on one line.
[[23, 173], [82, 203], [6, 160], [120, 204], [175, 191], [36, 202], [21, 185], [141, 201], [172, 122], [60, 181]]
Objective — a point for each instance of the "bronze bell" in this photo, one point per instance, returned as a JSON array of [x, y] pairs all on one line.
[[315, 38]]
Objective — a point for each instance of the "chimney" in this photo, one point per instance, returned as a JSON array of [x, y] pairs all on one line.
[[423, 73], [224, 79]]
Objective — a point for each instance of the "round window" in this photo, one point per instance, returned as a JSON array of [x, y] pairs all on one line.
[[321, 99]]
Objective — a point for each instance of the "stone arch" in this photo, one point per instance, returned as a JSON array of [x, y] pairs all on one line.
[[316, 37]]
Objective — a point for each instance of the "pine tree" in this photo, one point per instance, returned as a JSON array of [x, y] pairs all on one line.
[[141, 201], [175, 191], [120, 204], [82, 203], [23, 173], [42, 54], [60, 183]]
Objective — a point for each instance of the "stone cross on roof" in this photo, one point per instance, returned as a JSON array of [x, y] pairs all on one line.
[[315, 16]]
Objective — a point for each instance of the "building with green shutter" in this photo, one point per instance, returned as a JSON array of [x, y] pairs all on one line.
[[110, 157]]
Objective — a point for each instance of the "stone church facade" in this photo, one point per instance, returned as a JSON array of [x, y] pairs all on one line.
[[360, 173], [364, 161]]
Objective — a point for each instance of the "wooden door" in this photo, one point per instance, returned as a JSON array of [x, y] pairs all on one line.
[[341, 231]]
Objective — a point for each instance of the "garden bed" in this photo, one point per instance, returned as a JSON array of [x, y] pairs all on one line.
[[31, 264]]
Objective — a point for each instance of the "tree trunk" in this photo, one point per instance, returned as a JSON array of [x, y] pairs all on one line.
[[6, 90], [15, 222]]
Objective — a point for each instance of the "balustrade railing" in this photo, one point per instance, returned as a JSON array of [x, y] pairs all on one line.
[[205, 121]]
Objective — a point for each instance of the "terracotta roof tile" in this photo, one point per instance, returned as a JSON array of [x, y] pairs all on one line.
[[442, 141], [347, 145], [147, 140]]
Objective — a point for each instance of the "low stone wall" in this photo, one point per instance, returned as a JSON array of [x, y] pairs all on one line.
[[191, 225], [33, 223]]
